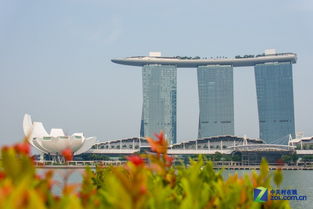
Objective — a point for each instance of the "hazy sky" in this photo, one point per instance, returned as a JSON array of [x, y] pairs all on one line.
[[55, 59]]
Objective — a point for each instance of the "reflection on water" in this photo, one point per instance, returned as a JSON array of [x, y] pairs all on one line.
[[299, 180]]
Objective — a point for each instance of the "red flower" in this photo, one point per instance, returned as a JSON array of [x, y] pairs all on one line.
[[143, 189], [67, 154], [136, 160], [169, 160], [159, 146], [22, 148], [2, 175], [280, 162]]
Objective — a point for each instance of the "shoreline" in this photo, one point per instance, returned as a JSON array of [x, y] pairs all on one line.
[[245, 167]]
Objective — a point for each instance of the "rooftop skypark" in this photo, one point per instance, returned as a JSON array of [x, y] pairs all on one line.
[[192, 62]]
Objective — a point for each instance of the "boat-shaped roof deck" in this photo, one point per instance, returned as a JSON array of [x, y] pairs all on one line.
[[192, 62]]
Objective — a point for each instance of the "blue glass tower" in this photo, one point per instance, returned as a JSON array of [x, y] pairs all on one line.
[[216, 100], [159, 101], [274, 89]]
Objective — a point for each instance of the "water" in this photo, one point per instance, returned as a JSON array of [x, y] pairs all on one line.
[[74, 177], [301, 180]]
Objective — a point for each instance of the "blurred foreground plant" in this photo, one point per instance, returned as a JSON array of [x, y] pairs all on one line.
[[145, 181]]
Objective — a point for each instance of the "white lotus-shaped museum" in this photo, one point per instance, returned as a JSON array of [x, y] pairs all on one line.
[[56, 141]]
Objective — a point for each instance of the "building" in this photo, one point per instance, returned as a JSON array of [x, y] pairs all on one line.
[[249, 150], [216, 143], [273, 75], [206, 145], [159, 101], [274, 89], [56, 141], [216, 100]]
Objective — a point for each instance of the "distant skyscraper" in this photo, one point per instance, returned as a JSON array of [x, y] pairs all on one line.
[[159, 101], [216, 100], [274, 89]]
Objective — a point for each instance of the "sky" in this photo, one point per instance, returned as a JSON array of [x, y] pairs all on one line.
[[55, 60]]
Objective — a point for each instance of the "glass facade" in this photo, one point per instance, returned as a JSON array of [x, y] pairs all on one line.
[[274, 89], [159, 101], [216, 100]]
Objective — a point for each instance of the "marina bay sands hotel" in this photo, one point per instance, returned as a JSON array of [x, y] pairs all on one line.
[[274, 88]]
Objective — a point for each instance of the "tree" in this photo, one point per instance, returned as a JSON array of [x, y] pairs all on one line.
[[236, 156]]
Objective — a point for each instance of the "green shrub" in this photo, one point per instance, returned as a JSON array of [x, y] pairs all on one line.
[[147, 181]]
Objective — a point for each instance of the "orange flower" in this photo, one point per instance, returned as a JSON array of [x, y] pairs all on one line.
[[136, 160], [5, 190], [37, 177], [67, 154], [159, 146], [4, 148], [70, 188]]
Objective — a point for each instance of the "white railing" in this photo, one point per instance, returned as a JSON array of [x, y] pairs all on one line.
[[304, 152], [198, 151], [113, 151], [69, 164]]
